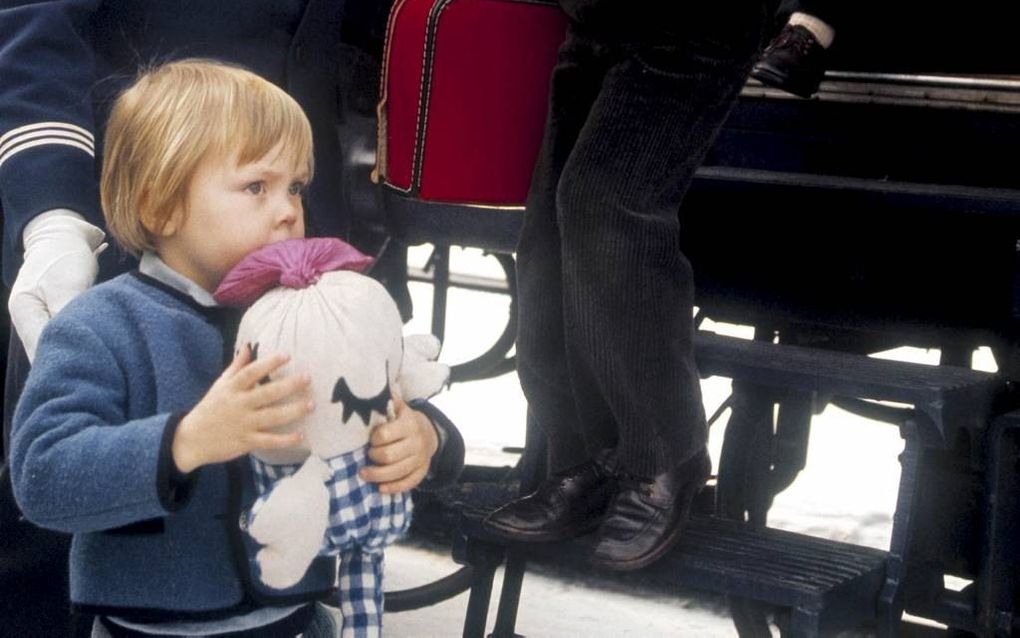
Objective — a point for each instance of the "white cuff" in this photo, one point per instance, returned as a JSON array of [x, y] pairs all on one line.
[[818, 28], [64, 219]]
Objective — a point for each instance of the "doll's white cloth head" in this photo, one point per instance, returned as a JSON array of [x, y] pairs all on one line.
[[309, 300], [339, 326]]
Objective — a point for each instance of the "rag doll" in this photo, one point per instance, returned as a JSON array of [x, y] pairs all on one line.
[[309, 300]]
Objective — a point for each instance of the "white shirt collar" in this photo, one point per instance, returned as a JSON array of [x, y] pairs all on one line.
[[152, 266]]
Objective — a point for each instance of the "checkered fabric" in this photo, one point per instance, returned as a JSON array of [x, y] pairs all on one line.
[[362, 521]]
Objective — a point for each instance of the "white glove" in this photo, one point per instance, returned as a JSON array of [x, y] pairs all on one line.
[[60, 263]]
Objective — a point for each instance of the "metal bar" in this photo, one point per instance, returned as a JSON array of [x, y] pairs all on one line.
[[891, 600], [460, 280], [440, 262], [430, 594], [510, 596], [971, 93], [936, 81], [965, 199], [478, 602], [790, 442], [873, 411], [998, 576]]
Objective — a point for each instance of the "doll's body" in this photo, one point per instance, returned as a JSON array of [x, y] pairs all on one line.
[[344, 330]]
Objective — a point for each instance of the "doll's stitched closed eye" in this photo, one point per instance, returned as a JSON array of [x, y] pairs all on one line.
[[362, 407]]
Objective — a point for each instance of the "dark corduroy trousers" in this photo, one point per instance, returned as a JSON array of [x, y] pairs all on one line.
[[604, 349]]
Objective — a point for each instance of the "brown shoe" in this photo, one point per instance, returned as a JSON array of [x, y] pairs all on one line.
[[568, 504], [794, 62], [647, 516]]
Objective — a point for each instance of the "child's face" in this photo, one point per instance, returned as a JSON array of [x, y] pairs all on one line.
[[232, 210]]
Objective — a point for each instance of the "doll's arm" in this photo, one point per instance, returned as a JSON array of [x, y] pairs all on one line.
[[290, 524], [421, 376]]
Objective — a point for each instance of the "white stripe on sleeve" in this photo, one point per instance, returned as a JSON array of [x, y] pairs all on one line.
[[63, 141], [43, 133], [46, 125]]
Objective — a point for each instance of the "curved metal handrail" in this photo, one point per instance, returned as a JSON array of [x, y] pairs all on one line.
[[431, 593]]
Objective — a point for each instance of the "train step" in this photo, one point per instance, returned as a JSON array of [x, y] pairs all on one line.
[[816, 586], [950, 397]]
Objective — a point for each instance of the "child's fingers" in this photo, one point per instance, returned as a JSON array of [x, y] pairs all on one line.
[[391, 431], [390, 472], [274, 391], [396, 405], [382, 434], [274, 440], [259, 369], [398, 400], [393, 452], [276, 415], [405, 483], [241, 358]]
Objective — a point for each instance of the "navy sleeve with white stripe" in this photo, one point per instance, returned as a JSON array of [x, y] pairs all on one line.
[[47, 143]]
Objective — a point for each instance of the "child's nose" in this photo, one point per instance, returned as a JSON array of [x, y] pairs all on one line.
[[288, 210]]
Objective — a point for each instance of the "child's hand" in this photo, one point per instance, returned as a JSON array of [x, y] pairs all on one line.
[[402, 450], [238, 413]]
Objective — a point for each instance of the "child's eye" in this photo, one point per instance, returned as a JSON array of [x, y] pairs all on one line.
[[297, 188], [255, 188]]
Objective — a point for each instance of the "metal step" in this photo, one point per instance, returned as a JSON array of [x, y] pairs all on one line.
[[826, 586], [951, 397], [778, 567]]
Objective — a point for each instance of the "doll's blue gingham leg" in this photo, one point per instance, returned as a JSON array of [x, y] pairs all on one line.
[[362, 523], [361, 593]]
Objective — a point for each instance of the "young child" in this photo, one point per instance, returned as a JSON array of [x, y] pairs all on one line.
[[130, 435]]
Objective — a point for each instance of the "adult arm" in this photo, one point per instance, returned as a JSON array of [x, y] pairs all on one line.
[[47, 157]]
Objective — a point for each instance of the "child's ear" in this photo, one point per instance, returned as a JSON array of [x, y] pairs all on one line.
[[164, 227], [158, 223], [170, 225]]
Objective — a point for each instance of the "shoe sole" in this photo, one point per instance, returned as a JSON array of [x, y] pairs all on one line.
[[519, 536], [784, 82], [660, 550]]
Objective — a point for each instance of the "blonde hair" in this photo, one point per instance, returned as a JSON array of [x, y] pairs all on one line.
[[174, 117]]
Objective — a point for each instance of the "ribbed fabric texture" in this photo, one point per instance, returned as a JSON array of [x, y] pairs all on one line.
[[605, 347]]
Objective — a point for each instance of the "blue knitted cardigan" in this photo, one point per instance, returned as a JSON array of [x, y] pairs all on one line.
[[90, 455]]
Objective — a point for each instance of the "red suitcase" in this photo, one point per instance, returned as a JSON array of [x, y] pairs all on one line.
[[464, 96]]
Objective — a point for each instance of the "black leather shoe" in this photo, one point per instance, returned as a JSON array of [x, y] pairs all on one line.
[[647, 516], [794, 62], [568, 504]]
